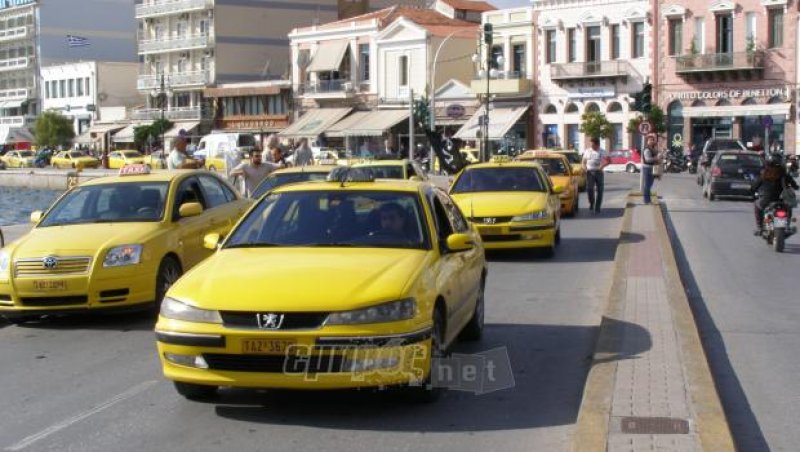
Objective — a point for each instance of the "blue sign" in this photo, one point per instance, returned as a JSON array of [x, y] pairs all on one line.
[[12, 3], [766, 121]]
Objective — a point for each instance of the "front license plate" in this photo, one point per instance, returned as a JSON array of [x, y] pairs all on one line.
[[49, 285], [740, 186], [779, 222], [489, 230], [265, 346]]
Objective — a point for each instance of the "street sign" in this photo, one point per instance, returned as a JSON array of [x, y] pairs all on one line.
[[767, 122], [645, 127]]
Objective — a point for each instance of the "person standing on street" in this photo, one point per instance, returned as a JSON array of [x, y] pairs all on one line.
[[649, 161], [594, 160], [254, 172], [303, 155], [177, 158]]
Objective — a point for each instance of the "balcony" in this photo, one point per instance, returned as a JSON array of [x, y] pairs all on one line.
[[14, 34], [337, 88], [173, 44], [173, 114], [503, 83], [16, 121], [154, 8], [173, 80], [17, 94], [14, 64], [745, 64], [589, 70]]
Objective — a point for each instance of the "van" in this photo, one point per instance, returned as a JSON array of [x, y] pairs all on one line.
[[214, 146]]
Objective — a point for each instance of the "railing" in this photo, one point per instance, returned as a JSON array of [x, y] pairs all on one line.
[[505, 75], [12, 34], [14, 94], [14, 64], [176, 113], [177, 79], [719, 61], [163, 7], [328, 86], [590, 69], [15, 121], [175, 43]]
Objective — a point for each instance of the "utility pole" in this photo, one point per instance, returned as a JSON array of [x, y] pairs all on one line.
[[488, 29], [410, 123]]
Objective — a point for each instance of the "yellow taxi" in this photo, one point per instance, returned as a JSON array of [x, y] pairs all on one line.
[[74, 159], [114, 242], [576, 163], [118, 159], [156, 160], [292, 175], [19, 159], [393, 169], [558, 169], [322, 285], [512, 204]]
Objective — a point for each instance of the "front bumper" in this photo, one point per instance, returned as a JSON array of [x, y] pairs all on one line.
[[533, 234]]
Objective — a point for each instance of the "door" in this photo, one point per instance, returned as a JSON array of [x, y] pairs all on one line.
[[224, 208], [192, 230], [592, 50]]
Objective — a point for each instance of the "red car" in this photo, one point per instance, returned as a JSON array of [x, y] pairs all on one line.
[[628, 160]]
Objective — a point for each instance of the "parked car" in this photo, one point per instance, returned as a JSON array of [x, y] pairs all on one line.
[[710, 149], [628, 160], [19, 159], [732, 173]]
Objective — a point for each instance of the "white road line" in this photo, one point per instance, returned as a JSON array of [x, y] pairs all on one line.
[[81, 416]]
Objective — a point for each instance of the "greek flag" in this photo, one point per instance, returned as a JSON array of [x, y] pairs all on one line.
[[77, 41]]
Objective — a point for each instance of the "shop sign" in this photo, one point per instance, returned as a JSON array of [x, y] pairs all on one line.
[[591, 93], [455, 111], [732, 93], [255, 124]]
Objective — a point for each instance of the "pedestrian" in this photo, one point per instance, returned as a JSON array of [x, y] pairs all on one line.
[[254, 172], [594, 160], [303, 155], [178, 157], [275, 151], [649, 161]]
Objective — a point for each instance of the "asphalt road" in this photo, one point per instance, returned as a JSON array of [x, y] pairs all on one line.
[[745, 299], [94, 384]]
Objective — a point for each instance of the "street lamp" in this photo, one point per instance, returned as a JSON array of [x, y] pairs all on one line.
[[163, 92], [486, 70]]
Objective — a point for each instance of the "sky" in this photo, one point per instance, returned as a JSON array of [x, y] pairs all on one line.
[[509, 3]]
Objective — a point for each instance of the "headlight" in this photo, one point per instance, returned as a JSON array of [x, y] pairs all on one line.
[[5, 262], [387, 312], [175, 310], [123, 255], [538, 215]]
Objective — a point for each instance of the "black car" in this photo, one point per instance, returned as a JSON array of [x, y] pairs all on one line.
[[710, 149], [732, 174]]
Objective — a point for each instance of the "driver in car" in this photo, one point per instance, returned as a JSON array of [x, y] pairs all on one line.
[[393, 220]]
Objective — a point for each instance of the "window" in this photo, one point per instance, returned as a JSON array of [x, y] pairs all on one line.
[[403, 70], [675, 36], [593, 44], [214, 193], [616, 137], [363, 61], [775, 23], [79, 87], [87, 84], [72, 87], [550, 54], [62, 85], [699, 41], [497, 53], [518, 64], [572, 45], [750, 27], [47, 90], [638, 40], [615, 42], [203, 27], [724, 33]]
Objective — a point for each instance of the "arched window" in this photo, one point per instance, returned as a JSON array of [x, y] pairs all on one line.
[[723, 103], [592, 107], [571, 108], [749, 101], [698, 103], [550, 109], [614, 107], [776, 100], [675, 110]]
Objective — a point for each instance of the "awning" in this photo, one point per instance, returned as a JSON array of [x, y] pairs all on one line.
[[15, 135], [187, 126], [315, 122], [367, 123], [732, 111], [103, 128], [85, 138], [11, 104], [501, 120], [328, 56], [126, 135]]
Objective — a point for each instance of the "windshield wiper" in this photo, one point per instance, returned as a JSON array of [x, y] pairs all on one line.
[[329, 245], [254, 245]]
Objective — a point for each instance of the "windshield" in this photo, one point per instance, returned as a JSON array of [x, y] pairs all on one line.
[[735, 161], [499, 179], [26, 153], [385, 171], [110, 203], [553, 167], [75, 154], [131, 154], [276, 180], [573, 157], [334, 219]]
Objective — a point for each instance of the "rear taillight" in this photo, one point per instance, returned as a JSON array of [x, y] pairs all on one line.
[[780, 213], [716, 172]]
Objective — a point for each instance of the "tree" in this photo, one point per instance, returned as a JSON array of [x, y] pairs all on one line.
[[595, 125], [143, 135], [52, 129], [656, 118]]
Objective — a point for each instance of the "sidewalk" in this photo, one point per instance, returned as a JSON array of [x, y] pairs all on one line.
[[649, 387]]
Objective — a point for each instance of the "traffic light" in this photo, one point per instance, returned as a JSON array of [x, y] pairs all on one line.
[[488, 30], [643, 100], [422, 113]]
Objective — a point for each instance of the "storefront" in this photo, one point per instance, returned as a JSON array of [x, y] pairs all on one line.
[[366, 133], [260, 108], [508, 129]]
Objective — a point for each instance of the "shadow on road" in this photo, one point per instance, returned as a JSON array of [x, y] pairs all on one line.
[[571, 250], [131, 321], [605, 213], [549, 364], [743, 423]]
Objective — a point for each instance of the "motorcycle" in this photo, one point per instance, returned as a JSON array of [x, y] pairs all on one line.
[[778, 225], [675, 162], [792, 165]]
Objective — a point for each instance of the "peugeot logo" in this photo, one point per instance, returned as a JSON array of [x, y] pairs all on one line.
[[269, 321], [489, 220], [50, 262]]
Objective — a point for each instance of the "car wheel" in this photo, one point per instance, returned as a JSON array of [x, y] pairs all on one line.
[[426, 392], [630, 168], [195, 392], [474, 329], [168, 272]]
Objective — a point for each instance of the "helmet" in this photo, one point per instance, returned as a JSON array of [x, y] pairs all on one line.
[[774, 159]]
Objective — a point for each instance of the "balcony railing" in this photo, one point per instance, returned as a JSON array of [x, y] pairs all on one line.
[[16, 121], [13, 34], [337, 86], [714, 62], [173, 43], [164, 7], [589, 70], [14, 94], [14, 64], [173, 80], [509, 82], [173, 114]]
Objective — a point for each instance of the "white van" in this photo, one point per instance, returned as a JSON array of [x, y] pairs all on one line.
[[215, 146]]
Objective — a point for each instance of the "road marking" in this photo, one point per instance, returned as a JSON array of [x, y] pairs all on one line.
[[55, 428]]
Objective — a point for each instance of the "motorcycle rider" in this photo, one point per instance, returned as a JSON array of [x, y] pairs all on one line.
[[769, 186]]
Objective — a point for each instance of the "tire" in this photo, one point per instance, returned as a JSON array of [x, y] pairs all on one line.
[[778, 242], [195, 392], [630, 168], [426, 392], [474, 329], [168, 272]]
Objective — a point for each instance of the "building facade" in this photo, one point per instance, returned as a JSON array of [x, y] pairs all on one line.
[[729, 69], [260, 108], [592, 55]]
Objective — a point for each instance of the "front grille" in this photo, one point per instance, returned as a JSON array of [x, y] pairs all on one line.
[[275, 363], [490, 220], [72, 265], [501, 238], [291, 321], [55, 301]]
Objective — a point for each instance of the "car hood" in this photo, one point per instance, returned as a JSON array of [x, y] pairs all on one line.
[[81, 239], [500, 204], [300, 279]]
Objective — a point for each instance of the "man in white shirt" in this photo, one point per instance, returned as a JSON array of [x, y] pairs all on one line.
[[177, 157], [594, 160], [254, 172]]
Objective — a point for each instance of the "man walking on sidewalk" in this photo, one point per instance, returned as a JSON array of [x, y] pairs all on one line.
[[594, 160]]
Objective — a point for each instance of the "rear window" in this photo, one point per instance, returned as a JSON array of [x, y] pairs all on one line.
[[738, 160], [724, 145]]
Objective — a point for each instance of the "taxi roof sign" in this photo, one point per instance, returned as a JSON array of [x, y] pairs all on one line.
[[134, 169]]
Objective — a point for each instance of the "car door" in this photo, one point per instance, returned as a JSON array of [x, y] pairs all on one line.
[[553, 199], [190, 231], [224, 208]]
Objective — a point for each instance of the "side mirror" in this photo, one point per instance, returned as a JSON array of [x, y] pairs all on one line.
[[36, 216], [459, 242], [558, 189], [211, 241], [190, 209]]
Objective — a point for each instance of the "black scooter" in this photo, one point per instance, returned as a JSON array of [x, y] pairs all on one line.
[[778, 225]]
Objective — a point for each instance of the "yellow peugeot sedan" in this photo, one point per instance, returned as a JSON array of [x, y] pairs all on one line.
[[327, 285], [394, 169], [118, 159], [512, 204], [558, 169], [74, 159], [19, 159], [114, 242], [576, 164]]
